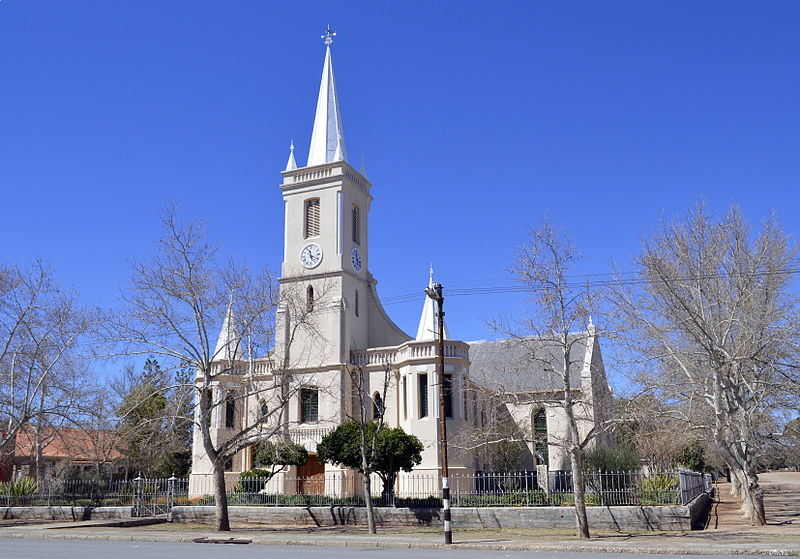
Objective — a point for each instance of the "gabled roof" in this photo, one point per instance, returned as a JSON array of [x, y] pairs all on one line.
[[78, 445], [527, 364]]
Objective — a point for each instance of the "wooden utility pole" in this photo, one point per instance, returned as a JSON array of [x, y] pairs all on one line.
[[436, 295]]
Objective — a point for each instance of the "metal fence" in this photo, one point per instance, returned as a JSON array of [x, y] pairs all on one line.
[[345, 488]]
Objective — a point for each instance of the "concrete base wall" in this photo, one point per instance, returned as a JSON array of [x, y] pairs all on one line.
[[66, 514], [607, 518]]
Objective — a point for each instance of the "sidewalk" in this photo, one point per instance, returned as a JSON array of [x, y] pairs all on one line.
[[727, 533], [735, 542]]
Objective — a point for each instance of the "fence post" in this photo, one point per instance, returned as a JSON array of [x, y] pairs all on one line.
[[137, 495], [682, 486], [171, 492]]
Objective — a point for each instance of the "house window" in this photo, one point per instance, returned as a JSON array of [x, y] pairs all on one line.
[[312, 218], [309, 299], [377, 406], [309, 405], [540, 436], [230, 411], [423, 395], [356, 225], [356, 304], [447, 387]]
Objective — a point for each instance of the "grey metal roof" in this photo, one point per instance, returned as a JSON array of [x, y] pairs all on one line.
[[524, 364]]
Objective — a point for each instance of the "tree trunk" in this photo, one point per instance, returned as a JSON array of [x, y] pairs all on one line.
[[752, 498], [736, 483], [368, 497], [582, 522], [221, 498]]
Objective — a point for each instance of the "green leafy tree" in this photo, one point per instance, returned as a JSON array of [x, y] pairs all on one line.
[[692, 457], [395, 451], [271, 457], [154, 427]]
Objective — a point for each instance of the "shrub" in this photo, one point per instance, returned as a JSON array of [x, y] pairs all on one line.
[[660, 489]]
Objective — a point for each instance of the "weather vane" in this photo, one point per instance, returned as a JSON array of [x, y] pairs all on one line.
[[328, 36]]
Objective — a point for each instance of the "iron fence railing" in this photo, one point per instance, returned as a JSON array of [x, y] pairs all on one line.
[[345, 488]]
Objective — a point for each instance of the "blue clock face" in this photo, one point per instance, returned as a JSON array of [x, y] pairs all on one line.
[[355, 259]]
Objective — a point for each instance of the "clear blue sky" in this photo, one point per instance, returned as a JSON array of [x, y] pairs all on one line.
[[475, 118]]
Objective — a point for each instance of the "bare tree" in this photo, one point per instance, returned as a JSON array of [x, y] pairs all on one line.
[[554, 332], [713, 317], [176, 303], [42, 380]]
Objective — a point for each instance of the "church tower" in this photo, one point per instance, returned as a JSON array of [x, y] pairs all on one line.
[[328, 305]]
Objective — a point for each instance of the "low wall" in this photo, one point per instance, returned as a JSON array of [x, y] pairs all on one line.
[[668, 517], [65, 514]]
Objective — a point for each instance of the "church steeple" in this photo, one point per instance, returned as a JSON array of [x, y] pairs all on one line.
[[327, 138], [227, 348], [428, 322]]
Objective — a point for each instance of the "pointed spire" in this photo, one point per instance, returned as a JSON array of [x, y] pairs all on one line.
[[227, 347], [291, 165], [429, 322], [327, 139]]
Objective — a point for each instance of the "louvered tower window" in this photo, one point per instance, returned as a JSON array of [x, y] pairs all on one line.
[[355, 306], [309, 299], [312, 218], [356, 225]]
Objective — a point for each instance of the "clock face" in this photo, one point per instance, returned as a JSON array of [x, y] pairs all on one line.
[[311, 255], [355, 259]]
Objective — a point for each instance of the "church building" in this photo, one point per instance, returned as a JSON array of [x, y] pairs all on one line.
[[330, 322]]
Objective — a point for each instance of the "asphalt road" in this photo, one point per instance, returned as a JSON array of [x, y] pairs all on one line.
[[71, 549]]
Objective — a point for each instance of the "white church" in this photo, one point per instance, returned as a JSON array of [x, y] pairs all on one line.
[[330, 321]]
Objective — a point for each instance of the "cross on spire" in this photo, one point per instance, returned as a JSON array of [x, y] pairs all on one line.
[[328, 36]]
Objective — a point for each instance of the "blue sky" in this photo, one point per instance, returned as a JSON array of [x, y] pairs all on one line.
[[475, 119]]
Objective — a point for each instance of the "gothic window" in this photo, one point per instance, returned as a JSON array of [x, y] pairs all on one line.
[[423, 395], [209, 404], [447, 388], [230, 411], [356, 225], [540, 436], [377, 406], [465, 402], [356, 303], [262, 407], [312, 218], [405, 399], [309, 405], [229, 464], [309, 299]]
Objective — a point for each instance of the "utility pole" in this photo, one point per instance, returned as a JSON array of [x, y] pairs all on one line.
[[436, 294]]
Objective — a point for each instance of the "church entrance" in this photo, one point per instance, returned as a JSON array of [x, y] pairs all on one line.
[[311, 477]]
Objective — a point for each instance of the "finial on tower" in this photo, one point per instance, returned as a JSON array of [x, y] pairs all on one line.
[[328, 36], [363, 170], [431, 280], [291, 165]]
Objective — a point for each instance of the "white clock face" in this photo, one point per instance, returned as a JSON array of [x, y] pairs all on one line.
[[355, 259], [311, 255]]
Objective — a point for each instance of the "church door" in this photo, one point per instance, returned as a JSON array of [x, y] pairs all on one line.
[[311, 477]]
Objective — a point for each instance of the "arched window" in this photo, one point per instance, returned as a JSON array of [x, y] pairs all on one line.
[[230, 411], [377, 406], [311, 220], [310, 298], [356, 303], [540, 436]]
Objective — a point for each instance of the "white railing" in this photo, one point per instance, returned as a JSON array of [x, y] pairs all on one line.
[[409, 351]]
